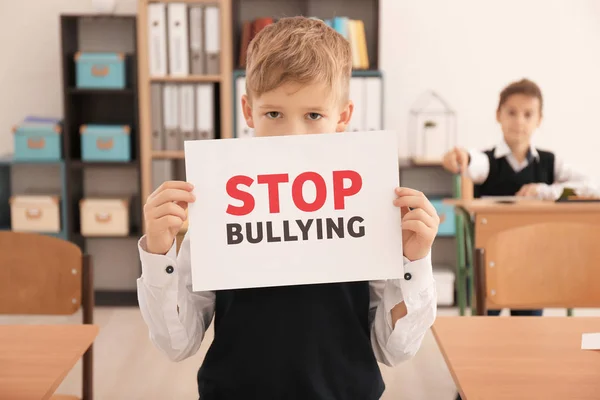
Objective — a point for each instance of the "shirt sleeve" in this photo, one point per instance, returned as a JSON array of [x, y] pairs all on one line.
[[479, 166], [176, 316], [567, 176], [394, 344]]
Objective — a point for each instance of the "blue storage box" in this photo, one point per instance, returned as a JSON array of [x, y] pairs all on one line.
[[100, 70], [105, 143], [447, 219], [38, 139]]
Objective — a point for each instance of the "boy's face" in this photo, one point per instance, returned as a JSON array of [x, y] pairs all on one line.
[[519, 117], [295, 109]]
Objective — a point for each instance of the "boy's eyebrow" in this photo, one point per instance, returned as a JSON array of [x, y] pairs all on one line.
[[308, 108], [269, 106]]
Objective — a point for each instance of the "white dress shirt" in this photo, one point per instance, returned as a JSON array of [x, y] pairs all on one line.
[[565, 175], [178, 317]]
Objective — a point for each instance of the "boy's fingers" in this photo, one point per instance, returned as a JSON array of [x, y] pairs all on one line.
[[179, 185], [414, 225], [419, 214], [172, 195], [416, 202]]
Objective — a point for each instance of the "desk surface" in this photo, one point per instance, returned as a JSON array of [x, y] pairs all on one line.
[[525, 205], [520, 357], [34, 359]]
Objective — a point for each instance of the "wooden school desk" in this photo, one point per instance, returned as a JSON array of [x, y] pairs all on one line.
[[489, 218], [520, 357], [34, 359]]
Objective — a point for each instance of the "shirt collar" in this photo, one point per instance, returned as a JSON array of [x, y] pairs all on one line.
[[502, 150]]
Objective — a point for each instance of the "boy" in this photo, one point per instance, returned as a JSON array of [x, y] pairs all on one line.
[[515, 167], [296, 342]]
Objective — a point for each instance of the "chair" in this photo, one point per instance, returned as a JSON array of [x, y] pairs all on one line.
[[463, 189], [528, 267], [44, 275]]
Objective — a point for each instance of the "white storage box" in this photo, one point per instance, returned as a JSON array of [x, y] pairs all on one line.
[[444, 280], [35, 213], [104, 217]]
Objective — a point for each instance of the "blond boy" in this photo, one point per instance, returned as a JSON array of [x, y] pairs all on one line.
[[295, 342]]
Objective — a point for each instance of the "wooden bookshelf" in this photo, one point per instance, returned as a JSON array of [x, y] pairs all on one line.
[[168, 155], [222, 81]]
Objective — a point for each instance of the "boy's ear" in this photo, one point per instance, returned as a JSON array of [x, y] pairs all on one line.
[[345, 117], [247, 110]]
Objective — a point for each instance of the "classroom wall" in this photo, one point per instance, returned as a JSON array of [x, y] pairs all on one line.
[[30, 68], [466, 50]]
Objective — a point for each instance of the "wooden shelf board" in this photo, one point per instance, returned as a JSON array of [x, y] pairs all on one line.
[[174, 155], [189, 78], [77, 91]]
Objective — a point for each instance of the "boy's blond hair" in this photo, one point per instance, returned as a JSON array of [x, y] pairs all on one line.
[[300, 50]]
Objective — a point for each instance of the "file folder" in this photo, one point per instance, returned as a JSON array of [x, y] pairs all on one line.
[[157, 39], [205, 111], [212, 25], [156, 101], [186, 97], [171, 117], [197, 54], [178, 39], [373, 100]]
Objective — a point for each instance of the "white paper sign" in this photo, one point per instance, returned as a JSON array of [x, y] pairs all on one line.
[[590, 341], [289, 210]]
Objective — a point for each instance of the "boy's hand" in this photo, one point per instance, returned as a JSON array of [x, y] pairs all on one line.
[[419, 223], [456, 160], [529, 190], [164, 213]]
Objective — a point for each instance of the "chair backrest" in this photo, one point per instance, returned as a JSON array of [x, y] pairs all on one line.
[[39, 274], [553, 264]]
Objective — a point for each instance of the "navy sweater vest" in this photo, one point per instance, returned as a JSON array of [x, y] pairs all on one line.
[[295, 342], [504, 181]]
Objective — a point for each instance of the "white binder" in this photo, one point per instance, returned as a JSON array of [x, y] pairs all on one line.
[[186, 126], [205, 111], [178, 40], [157, 39], [197, 54], [162, 170], [156, 100], [242, 129], [171, 117], [357, 95], [212, 26], [373, 100]]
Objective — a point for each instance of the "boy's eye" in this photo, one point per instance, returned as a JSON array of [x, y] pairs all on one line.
[[273, 114], [314, 116], [527, 115], [512, 113]]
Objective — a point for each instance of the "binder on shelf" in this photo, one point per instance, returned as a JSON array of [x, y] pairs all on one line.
[[212, 42], [178, 39], [186, 98], [162, 171], [357, 95], [197, 54], [205, 123], [373, 106], [242, 129], [171, 117], [156, 101], [157, 39]]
